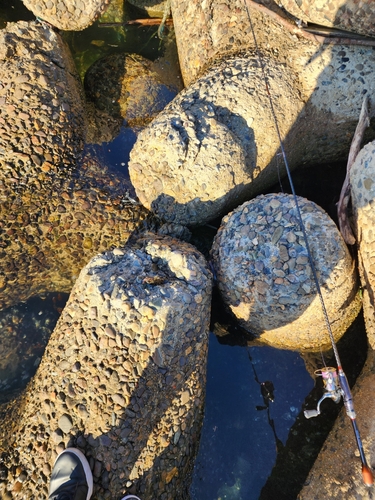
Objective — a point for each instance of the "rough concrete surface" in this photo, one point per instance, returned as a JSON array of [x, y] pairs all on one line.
[[59, 206], [264, 275], [350, 15], [216, 144], [362, 179], [67, 14], [122, 378]]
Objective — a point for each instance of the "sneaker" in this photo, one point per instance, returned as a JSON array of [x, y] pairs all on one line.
[[130, 497], [71, 477]]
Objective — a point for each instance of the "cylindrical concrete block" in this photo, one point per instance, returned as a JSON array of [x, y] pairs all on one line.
[[265, 278], [123, 375]]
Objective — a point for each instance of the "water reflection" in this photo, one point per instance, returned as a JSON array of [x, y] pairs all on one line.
[[247, 454], [238, 445], [97, 41]]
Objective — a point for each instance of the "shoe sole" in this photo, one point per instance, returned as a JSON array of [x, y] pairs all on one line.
[[86, 468]]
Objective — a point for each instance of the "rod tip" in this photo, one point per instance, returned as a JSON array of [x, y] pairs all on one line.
[[367, 476]]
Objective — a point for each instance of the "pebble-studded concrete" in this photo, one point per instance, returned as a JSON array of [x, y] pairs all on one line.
[[216, 144], [209, 31], [116, 381], [67, 14], [200, 154], [58, 206], [41, 108], [127, 86], [362, 179], [351, 15], [122, 378], [265, 278]]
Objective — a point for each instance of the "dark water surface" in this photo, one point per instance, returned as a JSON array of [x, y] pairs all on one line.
[[239, 442], [251, 448]]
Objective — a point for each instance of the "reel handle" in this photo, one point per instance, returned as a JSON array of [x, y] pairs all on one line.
[[311, 413]]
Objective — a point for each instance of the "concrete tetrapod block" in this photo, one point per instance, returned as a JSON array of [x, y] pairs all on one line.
[[209, 31], [362, 180], [215, 145], [58, 206], [122, 378], [208, 150], [72, 15], [265, 278]]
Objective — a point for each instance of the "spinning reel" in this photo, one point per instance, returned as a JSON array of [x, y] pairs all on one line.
[[332, 389]]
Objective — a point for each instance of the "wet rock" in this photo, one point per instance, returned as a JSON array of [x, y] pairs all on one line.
[[154, 8], [135, 416], [362, 180], [278, 301], [115, 13], [72, 15]]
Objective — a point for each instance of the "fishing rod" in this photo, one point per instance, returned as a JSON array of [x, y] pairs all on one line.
[[336, 384]]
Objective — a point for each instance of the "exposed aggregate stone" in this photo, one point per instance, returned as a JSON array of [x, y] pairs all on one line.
[[122, 378], [265, 278]]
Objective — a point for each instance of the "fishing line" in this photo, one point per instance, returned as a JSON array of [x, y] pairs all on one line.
[[299, 215], [278, 172], [335, 385]]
